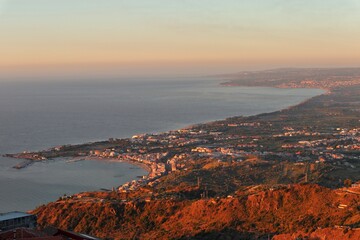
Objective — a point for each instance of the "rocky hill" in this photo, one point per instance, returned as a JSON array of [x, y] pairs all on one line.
[[249, 214]]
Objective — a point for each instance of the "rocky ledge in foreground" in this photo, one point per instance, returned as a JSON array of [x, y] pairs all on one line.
[[249, 214]]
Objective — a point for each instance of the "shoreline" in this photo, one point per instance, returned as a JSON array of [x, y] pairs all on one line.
[[144, 166], [229, 84], [151, 169], [28, 160]]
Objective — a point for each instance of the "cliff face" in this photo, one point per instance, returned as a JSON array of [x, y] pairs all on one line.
[[297, 208]]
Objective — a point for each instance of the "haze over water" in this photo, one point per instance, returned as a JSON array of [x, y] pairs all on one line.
[[37, 116]]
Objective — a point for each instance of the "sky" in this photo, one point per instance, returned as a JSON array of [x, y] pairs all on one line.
[[125, 37]]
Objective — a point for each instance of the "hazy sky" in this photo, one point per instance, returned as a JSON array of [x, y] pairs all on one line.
[[176, 35]]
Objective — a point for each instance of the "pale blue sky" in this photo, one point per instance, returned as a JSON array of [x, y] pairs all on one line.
[[158, 33]]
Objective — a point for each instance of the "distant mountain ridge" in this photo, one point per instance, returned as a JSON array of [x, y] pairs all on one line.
[[327, 78]]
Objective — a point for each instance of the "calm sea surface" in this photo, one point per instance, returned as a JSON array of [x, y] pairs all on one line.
[[35, 116]]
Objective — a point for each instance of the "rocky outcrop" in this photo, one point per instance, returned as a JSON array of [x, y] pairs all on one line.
[[304, 208]]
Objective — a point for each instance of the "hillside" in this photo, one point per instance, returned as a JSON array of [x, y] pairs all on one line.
[[249, 214]]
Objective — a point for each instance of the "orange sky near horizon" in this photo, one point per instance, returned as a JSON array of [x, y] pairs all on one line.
[[180, 36]]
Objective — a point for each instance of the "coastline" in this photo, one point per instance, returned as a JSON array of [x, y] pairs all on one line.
[[326, 91], [147, 167], [144, 166], [230, 84], [29, 159]]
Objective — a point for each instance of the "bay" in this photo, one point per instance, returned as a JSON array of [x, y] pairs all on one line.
[[39, 115]]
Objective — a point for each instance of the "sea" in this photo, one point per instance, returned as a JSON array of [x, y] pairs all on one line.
[[36, 115]]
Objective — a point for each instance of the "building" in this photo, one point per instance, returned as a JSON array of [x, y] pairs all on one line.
[[26, 234], [12, 220], [47, 234]]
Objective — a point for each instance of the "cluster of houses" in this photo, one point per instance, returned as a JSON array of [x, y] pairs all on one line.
[[340, 146], [245, 124], [329, 83], [178, 138], [157, 169], [158, 164], [156, 151], [297, 133]]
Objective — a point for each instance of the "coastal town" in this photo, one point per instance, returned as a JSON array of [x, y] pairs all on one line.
[[173, 151], [306, 135]]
